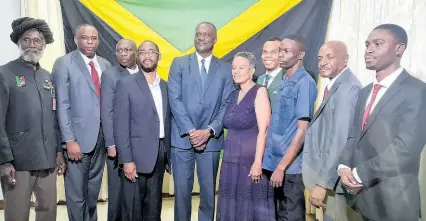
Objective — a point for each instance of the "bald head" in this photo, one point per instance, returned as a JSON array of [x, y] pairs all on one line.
[[125, 50], [332, 59]]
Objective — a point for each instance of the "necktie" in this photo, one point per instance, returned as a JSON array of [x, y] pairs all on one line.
[[267, 78], [95, 78], [203, 73], [325, 92], [367, 111]]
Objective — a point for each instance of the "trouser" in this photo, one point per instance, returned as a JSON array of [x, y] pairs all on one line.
[[17, 199], [142, 200]]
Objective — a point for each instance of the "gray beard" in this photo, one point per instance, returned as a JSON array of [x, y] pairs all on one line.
[[30, 56]]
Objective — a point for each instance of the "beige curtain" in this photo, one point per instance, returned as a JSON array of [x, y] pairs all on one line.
[[351, 22]]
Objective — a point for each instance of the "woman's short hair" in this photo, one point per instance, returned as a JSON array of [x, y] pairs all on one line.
[[249, 56]]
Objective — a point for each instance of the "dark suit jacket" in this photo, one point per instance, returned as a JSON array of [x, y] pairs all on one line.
[[108, 89], [273, 87], [387, 152], [136, 122], [29, 135], [197, 107]]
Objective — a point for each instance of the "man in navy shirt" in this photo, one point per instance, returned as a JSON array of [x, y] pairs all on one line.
[[290, 119]]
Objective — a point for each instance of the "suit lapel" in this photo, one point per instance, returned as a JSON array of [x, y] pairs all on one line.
[[164, 98], [101, 64], [275, 83], [123, 71], [333, 89], [389, 94], [83, 67], [194, 70], [143, 85], [210, 75]]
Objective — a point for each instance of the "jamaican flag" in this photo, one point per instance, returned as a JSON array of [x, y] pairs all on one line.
[[243, 25]]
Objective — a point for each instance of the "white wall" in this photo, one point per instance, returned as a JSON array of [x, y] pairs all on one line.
[[9, 11]]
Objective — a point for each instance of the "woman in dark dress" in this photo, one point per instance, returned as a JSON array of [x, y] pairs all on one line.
[[244, 195]]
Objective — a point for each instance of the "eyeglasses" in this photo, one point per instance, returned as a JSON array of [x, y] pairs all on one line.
[[147, 53], [35, 41]]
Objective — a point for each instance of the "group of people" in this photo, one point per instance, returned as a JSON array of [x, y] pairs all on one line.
[[358, 155]]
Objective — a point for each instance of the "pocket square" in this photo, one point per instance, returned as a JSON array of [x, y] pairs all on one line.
[[274, 92]]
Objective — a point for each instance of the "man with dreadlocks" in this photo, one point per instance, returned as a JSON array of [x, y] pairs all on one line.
[[30, 150]]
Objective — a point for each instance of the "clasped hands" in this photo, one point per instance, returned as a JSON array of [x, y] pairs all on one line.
[[349, 181], [199, 138]]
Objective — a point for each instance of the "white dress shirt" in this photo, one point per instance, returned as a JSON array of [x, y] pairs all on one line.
[[272, 76], [158, 100], [133, 71], [206, 62], [95, 61], [385, 84]]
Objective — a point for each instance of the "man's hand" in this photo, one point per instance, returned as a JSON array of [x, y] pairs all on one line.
[[199, 137], [256, 172], [349, 181], [202, 147], [112, 152], [73, 151], [317, 196], [60, 163], [277, 177], [7, 173], [130, 171]]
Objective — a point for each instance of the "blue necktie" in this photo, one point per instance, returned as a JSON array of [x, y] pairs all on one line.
[[267, 80], [203, 73]]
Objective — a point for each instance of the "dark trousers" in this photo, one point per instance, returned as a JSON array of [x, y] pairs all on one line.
[[142, 200], [290, 198], [183, 164], [83, 182], [114, 188], [17, 198]]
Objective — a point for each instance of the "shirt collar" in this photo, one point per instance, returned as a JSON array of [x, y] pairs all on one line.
[[387, 82], [133, 71], [156, 80], [297, 75], [333, 80], [206, 60], [274, 73], [28, 65], [88, 60]]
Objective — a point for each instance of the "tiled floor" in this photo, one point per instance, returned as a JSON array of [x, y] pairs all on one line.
[[166, 215]]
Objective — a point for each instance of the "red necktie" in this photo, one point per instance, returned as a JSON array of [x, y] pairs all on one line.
[[325, 92], [367, 111], [95, 78]]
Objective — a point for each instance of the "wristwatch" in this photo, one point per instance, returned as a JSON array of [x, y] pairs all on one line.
[[211, 131]]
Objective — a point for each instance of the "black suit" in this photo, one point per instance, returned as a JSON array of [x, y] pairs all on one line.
[[108, 89], [137, 136]]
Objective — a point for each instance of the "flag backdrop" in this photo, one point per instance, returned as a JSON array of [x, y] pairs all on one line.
[[243, 25]]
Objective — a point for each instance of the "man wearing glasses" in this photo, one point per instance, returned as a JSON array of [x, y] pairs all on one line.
[[142, 135]]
